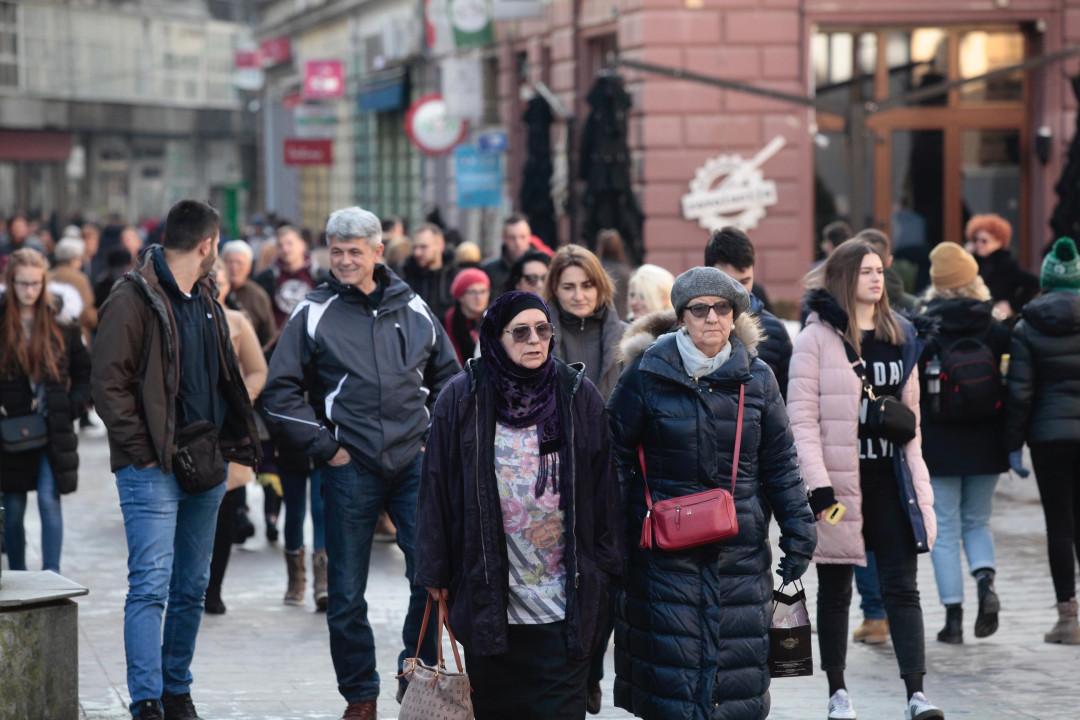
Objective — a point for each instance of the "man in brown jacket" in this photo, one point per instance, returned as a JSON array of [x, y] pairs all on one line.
[[163, 365], [245, 293]]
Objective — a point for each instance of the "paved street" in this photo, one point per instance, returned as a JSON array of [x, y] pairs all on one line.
[[264, 660]]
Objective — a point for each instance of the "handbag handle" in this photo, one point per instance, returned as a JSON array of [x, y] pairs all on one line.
[[734, 460], [858, 366], [444, 621]]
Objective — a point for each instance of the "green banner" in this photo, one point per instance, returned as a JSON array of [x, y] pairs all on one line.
[[472, 23]]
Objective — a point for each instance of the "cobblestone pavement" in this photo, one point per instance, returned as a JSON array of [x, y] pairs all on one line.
[[268, 661]]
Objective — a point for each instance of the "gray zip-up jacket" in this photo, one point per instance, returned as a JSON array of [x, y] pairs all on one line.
[[371, 374]]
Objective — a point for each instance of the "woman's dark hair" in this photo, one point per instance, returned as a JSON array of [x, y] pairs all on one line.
[[518, 268], [40, 356], [610, 246], [188, 223]]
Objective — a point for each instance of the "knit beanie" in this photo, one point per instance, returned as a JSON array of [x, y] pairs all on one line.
[[466, 279], [703, 281], [1061, 267], [951, 266]]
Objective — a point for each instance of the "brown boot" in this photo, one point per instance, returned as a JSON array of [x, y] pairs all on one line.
[[294, 563], [360, 711], [1067, 630], [872, 632], [318, 567]]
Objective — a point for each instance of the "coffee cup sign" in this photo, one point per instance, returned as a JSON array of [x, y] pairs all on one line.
[[431, 129], [731, 190]]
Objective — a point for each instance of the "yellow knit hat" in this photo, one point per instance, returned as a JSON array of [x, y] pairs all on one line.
[[951, 266]]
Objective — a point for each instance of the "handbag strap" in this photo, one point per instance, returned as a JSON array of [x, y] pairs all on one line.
[[444, 621], [734, 460], [858, 366]]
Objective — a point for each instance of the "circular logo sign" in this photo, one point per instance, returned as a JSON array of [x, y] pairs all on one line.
[[469, 16], [731, 190], [431, 129]]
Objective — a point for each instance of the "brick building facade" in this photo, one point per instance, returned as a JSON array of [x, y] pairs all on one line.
[[972, 149]]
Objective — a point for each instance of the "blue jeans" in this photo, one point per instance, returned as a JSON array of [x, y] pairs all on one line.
[[963, 505], [354, 499], [869, 587], [295, 489], [170, 535], [52, 522]]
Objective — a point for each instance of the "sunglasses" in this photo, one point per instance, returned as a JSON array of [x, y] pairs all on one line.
[[534, 279], [701, 310], [522, 333]]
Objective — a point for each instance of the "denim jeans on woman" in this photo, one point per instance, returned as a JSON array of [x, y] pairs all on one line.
[[52, 522], [963, 505], [170, 535], [354, 497], [295, 489]]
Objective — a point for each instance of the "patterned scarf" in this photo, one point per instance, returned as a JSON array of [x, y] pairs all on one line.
[[523, 397]]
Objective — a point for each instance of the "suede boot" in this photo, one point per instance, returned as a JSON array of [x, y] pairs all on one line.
[[1067, 630], [294, 563]]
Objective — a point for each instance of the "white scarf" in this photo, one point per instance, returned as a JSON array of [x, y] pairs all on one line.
[[696, 363]]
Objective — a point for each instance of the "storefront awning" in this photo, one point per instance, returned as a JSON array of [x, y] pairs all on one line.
[[386, 91], [32, 146]]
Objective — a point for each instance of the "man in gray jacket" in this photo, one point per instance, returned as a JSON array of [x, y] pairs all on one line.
[[371, 357]]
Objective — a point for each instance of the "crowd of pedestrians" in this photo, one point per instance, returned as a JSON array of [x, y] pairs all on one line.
[[517, 425]]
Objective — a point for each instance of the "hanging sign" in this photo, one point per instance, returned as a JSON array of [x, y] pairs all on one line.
[[247, 70], [431, 129], [275, 51], [471, 21], [492, 141], [462, 80], [308, 152], [730, 190], [478, 178], [315, 121], [323, 79]]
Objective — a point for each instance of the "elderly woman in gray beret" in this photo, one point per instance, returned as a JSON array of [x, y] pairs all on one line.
[[696, 410]]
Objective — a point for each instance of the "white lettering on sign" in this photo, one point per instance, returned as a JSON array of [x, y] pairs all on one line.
[[730, 190]]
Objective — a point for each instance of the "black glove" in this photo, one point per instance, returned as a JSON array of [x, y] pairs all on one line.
[[822, 499], [792, 567]]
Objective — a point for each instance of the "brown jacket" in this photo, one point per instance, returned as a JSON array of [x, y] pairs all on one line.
[[136, 375], [251, 299], [253, 366]]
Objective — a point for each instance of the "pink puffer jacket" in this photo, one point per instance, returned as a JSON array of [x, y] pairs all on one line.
[[823, 407]]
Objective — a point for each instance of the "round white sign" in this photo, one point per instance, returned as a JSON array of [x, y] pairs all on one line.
[[431, 129]]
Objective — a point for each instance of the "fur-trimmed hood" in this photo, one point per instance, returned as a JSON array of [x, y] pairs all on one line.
[[820, 301], [644, 331]]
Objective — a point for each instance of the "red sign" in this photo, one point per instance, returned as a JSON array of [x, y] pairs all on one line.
[[430, 128], [323, 79], [275, 51], [246, 59], [290, 101], [309, 152]]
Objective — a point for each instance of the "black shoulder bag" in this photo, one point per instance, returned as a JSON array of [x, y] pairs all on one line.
[[23, 433], [886, 416]]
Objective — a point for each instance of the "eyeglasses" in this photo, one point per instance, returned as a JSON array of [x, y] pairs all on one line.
[[522, 333], [701, 310], [534, 280], [28, 285]]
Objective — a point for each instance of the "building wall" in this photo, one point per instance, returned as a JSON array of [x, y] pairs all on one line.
[[676, 126]]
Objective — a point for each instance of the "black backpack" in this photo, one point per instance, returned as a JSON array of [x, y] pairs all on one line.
[[971, 389]]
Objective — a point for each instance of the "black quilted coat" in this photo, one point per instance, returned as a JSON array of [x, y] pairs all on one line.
[[65, 399], [691, 630]]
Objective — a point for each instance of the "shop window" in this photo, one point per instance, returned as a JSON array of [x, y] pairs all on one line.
[[387, 166], [9, 45], [981, 52], [991, 174], [844, 64]]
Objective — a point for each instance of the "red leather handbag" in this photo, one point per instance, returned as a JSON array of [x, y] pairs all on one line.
[[689, 521]]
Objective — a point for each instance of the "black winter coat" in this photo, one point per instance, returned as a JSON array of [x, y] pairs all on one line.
[[775, 348], [433, 286], [65, 399], [1043, 403], [460, 543], [1006, 279], [691, 628], [968, 448]]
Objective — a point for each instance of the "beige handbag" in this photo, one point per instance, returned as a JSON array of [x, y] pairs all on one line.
[[433, 693]]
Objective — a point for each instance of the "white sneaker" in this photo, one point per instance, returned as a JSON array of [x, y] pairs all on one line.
[[840, 707], [919, 708]]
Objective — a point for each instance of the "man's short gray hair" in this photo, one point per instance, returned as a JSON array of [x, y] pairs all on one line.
[[237, 246], [354, 222]]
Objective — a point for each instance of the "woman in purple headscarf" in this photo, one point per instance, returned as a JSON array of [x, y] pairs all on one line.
[[516, 524]]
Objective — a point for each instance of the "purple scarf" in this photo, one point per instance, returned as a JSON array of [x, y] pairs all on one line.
[[523, 397]]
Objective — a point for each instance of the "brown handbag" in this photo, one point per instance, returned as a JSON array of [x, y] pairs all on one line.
[[433, 693], [689, 521]]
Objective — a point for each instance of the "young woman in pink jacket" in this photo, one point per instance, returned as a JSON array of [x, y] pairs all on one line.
[[882, 486]]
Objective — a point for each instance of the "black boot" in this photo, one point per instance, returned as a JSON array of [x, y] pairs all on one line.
[[953, 632], [986, 623]]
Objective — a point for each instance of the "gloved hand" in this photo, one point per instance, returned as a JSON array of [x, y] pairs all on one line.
[[1016, 463], [792, 567]]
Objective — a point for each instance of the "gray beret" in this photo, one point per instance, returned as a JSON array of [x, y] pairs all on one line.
[[701, 281]]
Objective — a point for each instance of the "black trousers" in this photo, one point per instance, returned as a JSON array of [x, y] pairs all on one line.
[[535, 680], [223, 539], [887, 532], [1057, 471]]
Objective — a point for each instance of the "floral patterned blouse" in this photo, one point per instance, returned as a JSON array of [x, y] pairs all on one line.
[[535, 537]]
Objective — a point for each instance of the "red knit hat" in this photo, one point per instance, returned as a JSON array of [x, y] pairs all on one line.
[[466, 279]]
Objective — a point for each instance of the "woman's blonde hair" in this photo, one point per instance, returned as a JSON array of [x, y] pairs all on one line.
[[577, 256], [841, 280], [653, 283], [974, 290]]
